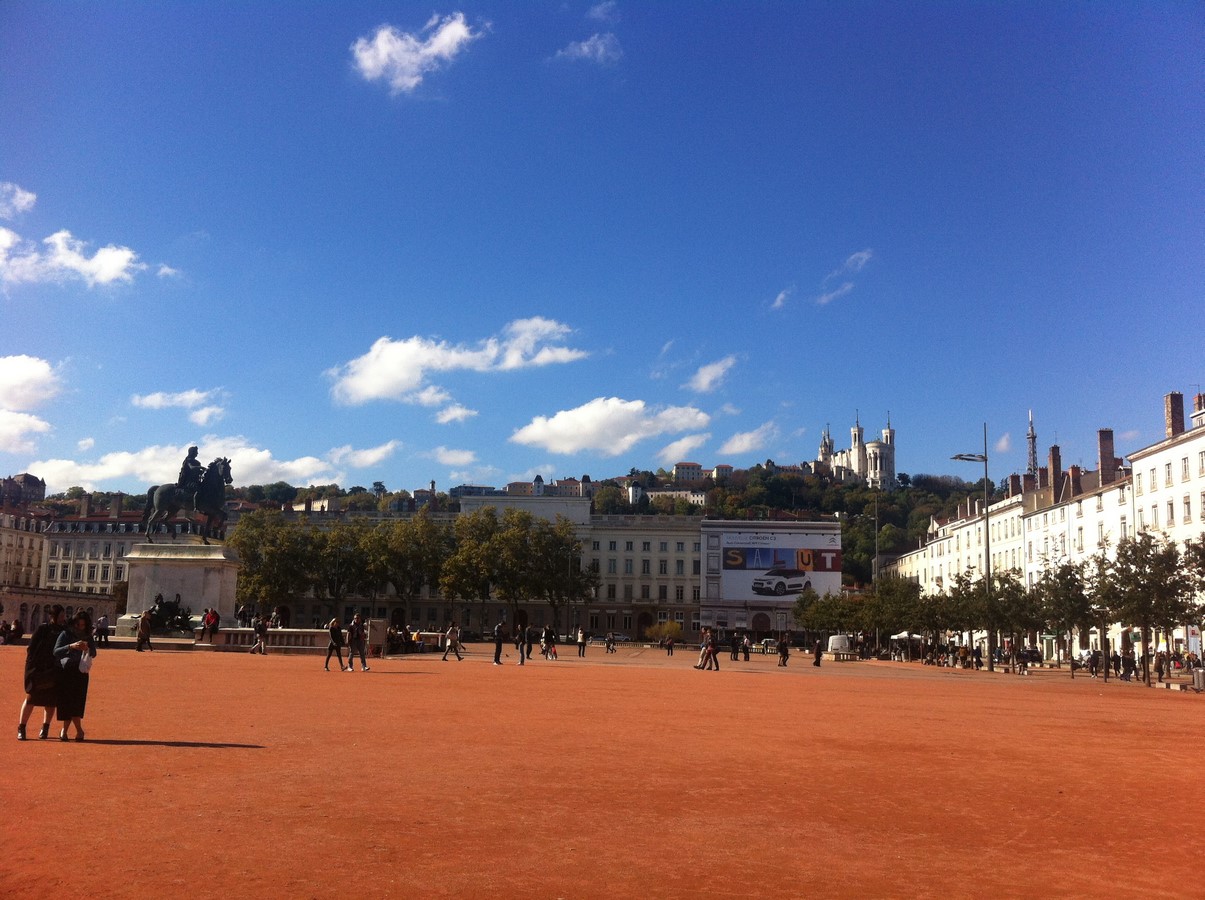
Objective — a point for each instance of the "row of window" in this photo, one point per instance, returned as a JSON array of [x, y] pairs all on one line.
[[629, 592], [95, 549], [645, 546], [1167, 473], [76, 572], [646, 567]]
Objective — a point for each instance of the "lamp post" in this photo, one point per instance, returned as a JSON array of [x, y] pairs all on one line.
[[987, 546]]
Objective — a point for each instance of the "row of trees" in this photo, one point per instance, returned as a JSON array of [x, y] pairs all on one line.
[[511, 558], [1150, 584]]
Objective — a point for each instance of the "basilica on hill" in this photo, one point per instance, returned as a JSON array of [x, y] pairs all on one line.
[[872, 463]]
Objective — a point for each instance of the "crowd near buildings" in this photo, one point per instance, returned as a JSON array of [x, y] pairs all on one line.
[[690, 569]]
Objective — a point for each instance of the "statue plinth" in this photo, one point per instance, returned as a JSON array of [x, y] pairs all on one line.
[[204, 575]]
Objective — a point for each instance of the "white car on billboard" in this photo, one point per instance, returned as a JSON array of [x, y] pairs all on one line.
[[781, 581]]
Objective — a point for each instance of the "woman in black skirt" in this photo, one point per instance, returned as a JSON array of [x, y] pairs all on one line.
[[71, 647], [41, 673]]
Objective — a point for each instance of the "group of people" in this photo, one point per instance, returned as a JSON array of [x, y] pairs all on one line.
[[58, 661], [356, 643], [11, 633], [524, 639]]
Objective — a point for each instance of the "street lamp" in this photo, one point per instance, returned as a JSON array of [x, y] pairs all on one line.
[[987, 545]]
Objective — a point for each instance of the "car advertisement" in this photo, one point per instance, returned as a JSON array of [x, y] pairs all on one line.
[[767, 565]]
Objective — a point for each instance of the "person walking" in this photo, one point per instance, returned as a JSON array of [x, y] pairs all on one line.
[[144, 631], [549, 643], [784, 651], [669, 646], [357, 639], [520, 644], [499, 636], [817, 652], [102, 629], [581, 641], [74, 649], [452, 642], [335, 646], [41, 673], [260, 628]]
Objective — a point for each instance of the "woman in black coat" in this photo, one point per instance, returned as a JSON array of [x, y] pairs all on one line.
[[335, 646], [72, 646], [41, 673]]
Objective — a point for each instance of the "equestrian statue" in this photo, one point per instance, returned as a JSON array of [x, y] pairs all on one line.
[[200, 489]]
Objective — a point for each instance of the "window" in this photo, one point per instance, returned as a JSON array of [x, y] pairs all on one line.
[[1201, 463], [51, 572], [611, 545], [664, 546], [680, 567], [696, 548], [54, 548], [1171, 513], [104, 573], [681, 546], [627, 592], [627, 546], [663, 616], [610, 592], [1138, 483], [121, 550], [663, 593], [1154, 516], [1167, 474], [1100, 535], [94, 549], [679, 617], [594, 545], [627, 621], [1124, 528], [78, 572], [1184, 469], [679, 593], [610, 567], [121, 573], [610, 620], [695, 567], [107, 551], [646, 546], [594, 621], [627, 567], [1079, 509], [1187, 509], [1153, 483], [1100, 502], [644, 592], [663, 567], [1141, 520], [645, 567], [694, 594]]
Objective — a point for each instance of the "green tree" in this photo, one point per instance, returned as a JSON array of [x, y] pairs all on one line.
[[468, 570], [1148, 588], [560, 576], [275, 556], [340, 562], [413, 553]]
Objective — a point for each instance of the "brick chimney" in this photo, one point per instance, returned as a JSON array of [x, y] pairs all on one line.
[[1014, 485], [118, 502], [1107, 461], [1074, 473], [1173, 413], [1043, 477], [1056, 470], [1029, 483], [1198, 411], [85, 506]]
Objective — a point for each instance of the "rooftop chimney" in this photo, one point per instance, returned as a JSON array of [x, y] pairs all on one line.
[[85, 506], [1043, 477], [1173, 413], [1056, 470], [118, 502], [1029, 483], [1014, 485], [1077, 485], [1198, 411], [1107, 461]]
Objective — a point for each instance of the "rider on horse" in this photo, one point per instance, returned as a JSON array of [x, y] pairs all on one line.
[[191, 473]]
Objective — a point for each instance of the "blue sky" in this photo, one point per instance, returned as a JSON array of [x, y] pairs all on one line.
[[365, 241]]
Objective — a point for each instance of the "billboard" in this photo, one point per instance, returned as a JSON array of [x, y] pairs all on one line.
[[760, 565]]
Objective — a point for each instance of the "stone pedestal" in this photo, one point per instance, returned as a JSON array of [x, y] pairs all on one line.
[[204, 575]]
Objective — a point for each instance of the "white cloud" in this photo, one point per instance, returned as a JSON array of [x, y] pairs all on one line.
[[63, 258], [729, 410], [781, 300], [681, 448], [161, 463], [749, 441], [607, 11], [825, 299], [710, 376], [606, 425], [166, 271], [363, 459], [27, 382], [203, 411], [398, 370], [855, 262], [206, 415], [603, 49], [85, 444], [1005, 443], [15, 200], [448, 457], [16, 429], [454, 413], [403, 59]]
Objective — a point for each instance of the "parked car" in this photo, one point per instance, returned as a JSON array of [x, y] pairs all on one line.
[[781, 581]]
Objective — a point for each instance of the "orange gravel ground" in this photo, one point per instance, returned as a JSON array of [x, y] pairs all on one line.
[[629, 775]]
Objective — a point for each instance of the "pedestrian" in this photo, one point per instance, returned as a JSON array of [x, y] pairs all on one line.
[[75, 650], [41, 673], [530, 636], [102, 629], [499, 636], [713, 651], [669, 646], [260, 630], [817, 651], [144, 631], [520, 644], [784, 651], [734, 647], [704, 649], [581, 641], [452, 642], [1160, 665], [357, 639], [1116, 664], [746, 645], [335, 646]]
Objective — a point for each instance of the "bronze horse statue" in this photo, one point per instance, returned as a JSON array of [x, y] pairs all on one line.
[[163, 501]]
